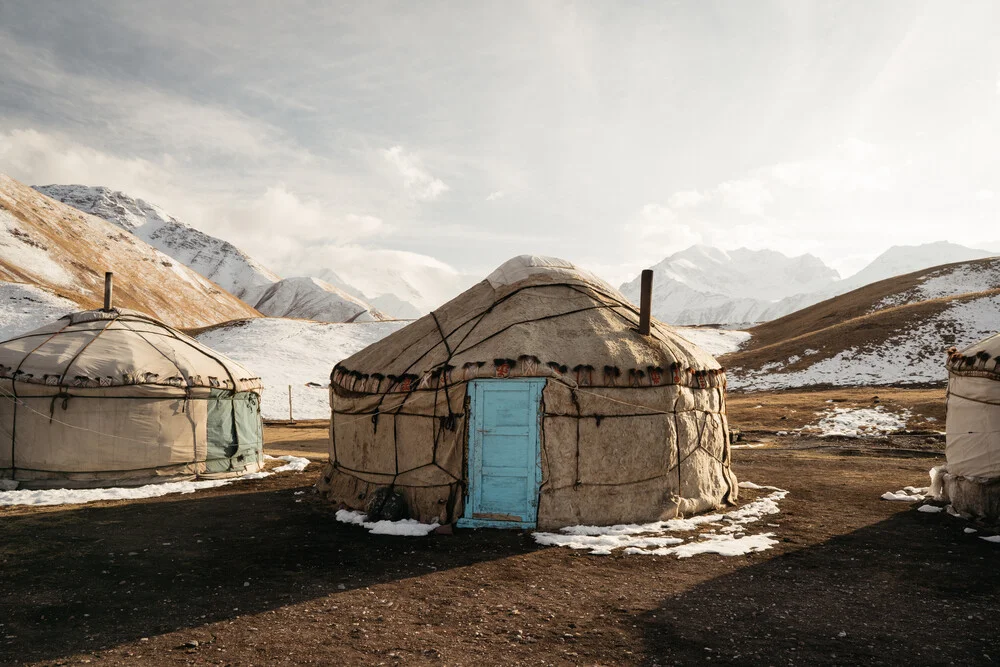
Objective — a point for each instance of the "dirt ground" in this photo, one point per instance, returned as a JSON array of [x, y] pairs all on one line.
[[260, 573]]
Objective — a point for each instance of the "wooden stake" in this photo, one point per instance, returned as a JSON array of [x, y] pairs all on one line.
[[645, 301], [107, 291], [290, 418]]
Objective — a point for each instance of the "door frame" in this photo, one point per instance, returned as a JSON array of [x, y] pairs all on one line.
[[535, 386]]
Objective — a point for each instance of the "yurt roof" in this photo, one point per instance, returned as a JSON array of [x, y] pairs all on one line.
[[980, 359], [97, 348], [544, 311]]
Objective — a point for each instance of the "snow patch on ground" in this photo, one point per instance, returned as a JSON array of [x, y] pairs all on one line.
[[725, 535], [294, 463], [858, 422], [41, 497], [909, 494], [294, 352], [81, 496], [714, 341], [912, 354], [403, 527]]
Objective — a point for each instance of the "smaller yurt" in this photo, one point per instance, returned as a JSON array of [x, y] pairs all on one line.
[[114, 397], [971, 478], [540, 397]]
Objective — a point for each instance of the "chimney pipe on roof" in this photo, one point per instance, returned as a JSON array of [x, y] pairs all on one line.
[[645, 301], [107, 291]]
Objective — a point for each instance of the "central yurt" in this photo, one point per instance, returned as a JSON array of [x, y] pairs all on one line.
[[971, 478], [114, 397], [533, 399]]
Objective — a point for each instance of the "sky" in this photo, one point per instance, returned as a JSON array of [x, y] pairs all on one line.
[[455, 135]]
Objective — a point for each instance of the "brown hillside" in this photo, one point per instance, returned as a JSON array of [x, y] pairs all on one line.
[[864, 328], [46, 243], [845, 307]]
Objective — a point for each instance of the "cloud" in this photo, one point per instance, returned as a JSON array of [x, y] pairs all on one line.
[[417, 181], [493, 196], [748, 196], [985, 194], [39, 158], [686, 199]]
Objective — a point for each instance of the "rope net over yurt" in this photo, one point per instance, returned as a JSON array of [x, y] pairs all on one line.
[[633, 427], [971, 477], [101, 397]]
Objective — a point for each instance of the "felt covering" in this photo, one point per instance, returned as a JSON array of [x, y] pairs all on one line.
[[972, 474], [633, 427]]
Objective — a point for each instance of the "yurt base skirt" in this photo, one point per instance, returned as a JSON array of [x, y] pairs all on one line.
[[979, 497]]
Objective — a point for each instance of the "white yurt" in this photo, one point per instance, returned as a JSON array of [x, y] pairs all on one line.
[[537, 398], [971, 478], [114, 397]]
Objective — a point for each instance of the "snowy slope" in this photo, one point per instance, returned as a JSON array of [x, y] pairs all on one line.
[[912, 354], [703, 285], [891, 332], [293, 352], [219, 261], [49, 244], [314, 299], [24, 308], [420, 282], [714, 341]]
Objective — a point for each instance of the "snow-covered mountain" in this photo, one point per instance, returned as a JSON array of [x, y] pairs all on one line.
[[56, 247], [314, 299], [703, 285], [402, 284], [220, 261], [902, 259]]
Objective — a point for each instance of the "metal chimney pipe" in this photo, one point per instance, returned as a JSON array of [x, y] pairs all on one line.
[[107, 291], [645, 301]]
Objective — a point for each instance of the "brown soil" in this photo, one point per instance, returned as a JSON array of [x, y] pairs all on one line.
[[773, 411], [258, 575]]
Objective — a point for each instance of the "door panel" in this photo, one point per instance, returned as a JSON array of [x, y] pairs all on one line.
[[504, 460]]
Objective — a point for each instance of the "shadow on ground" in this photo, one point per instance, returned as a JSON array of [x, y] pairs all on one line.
[[89, 578], [912, 589]]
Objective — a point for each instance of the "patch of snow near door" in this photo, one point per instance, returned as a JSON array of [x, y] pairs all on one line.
[[858, 422], [714, 341], [300, 353], [912, 354], [24, 308], [725, 535], [403, 527]]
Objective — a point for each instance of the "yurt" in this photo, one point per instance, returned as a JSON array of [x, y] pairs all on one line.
[[533, 399], [971, 478], [114, 397]]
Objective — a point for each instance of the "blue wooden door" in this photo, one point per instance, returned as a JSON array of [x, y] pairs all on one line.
[[504, 456]]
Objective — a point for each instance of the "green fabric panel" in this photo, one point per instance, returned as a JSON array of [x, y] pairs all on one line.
[[235, 430], [249, 427], [222, 443]]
